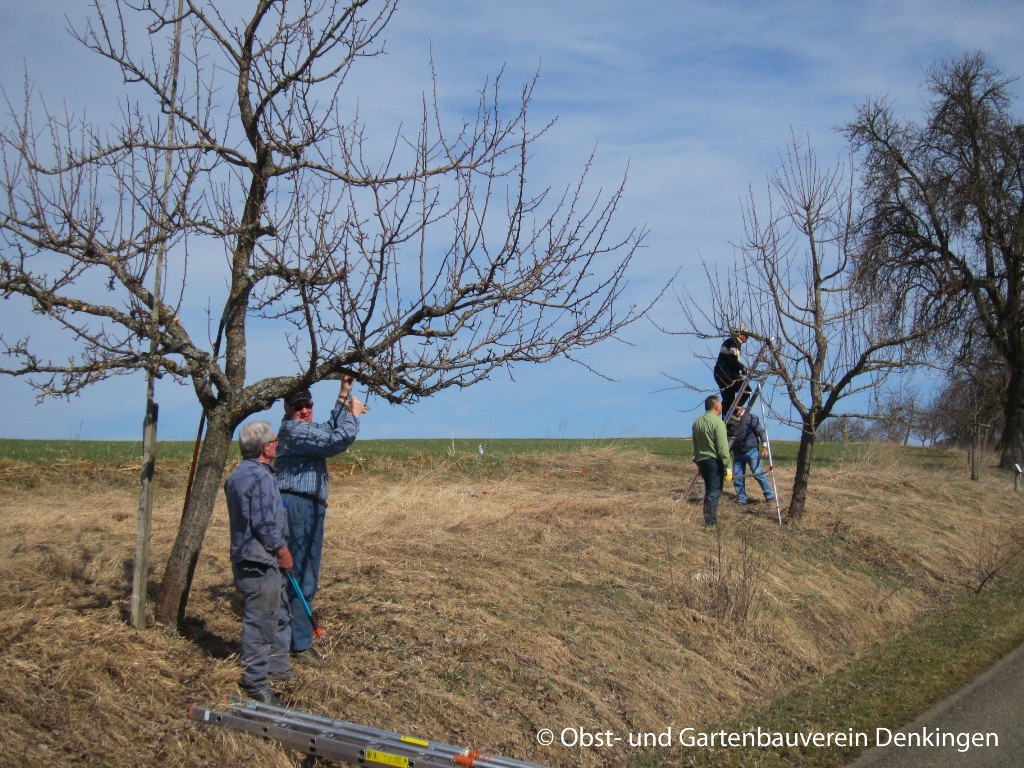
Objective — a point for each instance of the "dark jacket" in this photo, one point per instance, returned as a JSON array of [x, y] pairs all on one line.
[[259, 525], [729, 367], [749, 434]]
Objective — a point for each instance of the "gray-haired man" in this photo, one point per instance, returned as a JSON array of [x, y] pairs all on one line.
[[259, 556]]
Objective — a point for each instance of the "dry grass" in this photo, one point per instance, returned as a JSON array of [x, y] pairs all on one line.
[[476, 607]]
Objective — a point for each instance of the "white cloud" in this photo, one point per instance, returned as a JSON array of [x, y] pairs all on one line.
[[695, 98]]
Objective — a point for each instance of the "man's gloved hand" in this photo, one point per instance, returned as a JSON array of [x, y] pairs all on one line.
[[728, 475], [284, 559]]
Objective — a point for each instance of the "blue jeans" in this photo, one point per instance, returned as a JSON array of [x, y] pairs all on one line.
[[752, 459], [713, 473], [306, 542], [266, 623]]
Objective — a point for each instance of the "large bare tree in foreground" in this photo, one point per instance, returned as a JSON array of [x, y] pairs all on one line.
[[416, 264], [795, 284], [946, 202]]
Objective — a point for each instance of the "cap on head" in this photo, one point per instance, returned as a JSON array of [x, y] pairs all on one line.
[[302, 396], [740, 330]]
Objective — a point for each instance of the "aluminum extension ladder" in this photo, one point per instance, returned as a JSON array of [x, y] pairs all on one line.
[[345, 742]]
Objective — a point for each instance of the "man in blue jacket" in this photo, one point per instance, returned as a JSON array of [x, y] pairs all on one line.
[[259, 555], [749, 445], [302, 476]]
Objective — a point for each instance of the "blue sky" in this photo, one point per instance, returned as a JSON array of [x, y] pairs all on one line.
[[692, 99]]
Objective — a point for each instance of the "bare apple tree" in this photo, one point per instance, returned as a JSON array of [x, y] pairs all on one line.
[[416, 263], [794, 282]]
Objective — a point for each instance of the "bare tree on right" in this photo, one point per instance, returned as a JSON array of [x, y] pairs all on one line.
[[795, 283], [945, 199]]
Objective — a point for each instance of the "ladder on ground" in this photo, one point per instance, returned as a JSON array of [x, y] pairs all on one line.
[[345, 742], [744, 388]]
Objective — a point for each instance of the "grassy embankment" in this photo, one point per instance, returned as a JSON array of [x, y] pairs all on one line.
[[476, 600]]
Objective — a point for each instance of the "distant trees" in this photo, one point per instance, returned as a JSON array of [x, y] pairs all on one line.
[[415, 263], [964, 408], [895, 415], [944, 236], [969, 403], [795, 283], [846, 429]]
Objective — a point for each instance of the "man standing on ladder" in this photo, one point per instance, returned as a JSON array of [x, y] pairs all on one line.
[[730, 372], [749, 436], [302, 477]]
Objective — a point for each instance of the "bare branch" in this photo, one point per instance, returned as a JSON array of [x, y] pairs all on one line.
[[414, 262]]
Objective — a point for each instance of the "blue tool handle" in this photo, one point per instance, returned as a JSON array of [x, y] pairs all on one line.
[[302, 598]]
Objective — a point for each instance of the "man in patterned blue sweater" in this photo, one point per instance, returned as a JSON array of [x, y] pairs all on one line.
[[302, 455]]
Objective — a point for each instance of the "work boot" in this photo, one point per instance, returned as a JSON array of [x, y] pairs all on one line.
[[282, 675], [308, 657], [266, 696]]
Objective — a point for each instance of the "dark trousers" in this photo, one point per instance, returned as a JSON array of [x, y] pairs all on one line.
[[713, 473], [306, 542], [731, 394], [266, 623]]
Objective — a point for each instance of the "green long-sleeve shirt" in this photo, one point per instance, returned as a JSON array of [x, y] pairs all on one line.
[[709, 438]]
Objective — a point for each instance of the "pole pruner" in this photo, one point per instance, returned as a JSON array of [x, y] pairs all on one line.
[[317, 632]]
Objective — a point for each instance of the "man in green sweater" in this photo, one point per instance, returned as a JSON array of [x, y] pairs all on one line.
[[711, 455]]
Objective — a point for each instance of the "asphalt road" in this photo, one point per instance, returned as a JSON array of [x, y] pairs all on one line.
[[991, 709]]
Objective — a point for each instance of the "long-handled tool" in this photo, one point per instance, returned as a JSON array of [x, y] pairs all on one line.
[[319, 633]]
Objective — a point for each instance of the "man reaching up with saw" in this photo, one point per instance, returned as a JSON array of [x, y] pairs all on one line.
[[301, 465]]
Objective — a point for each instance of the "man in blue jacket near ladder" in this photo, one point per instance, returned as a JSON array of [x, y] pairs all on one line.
[[749, 445]]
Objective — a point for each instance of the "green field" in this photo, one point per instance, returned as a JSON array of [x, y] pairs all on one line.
[[181, 451], [784, 452]]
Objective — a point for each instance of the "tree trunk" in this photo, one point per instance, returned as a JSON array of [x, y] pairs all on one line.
[[181, 565], [1013, 422], [980, 442], [804, 457]]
